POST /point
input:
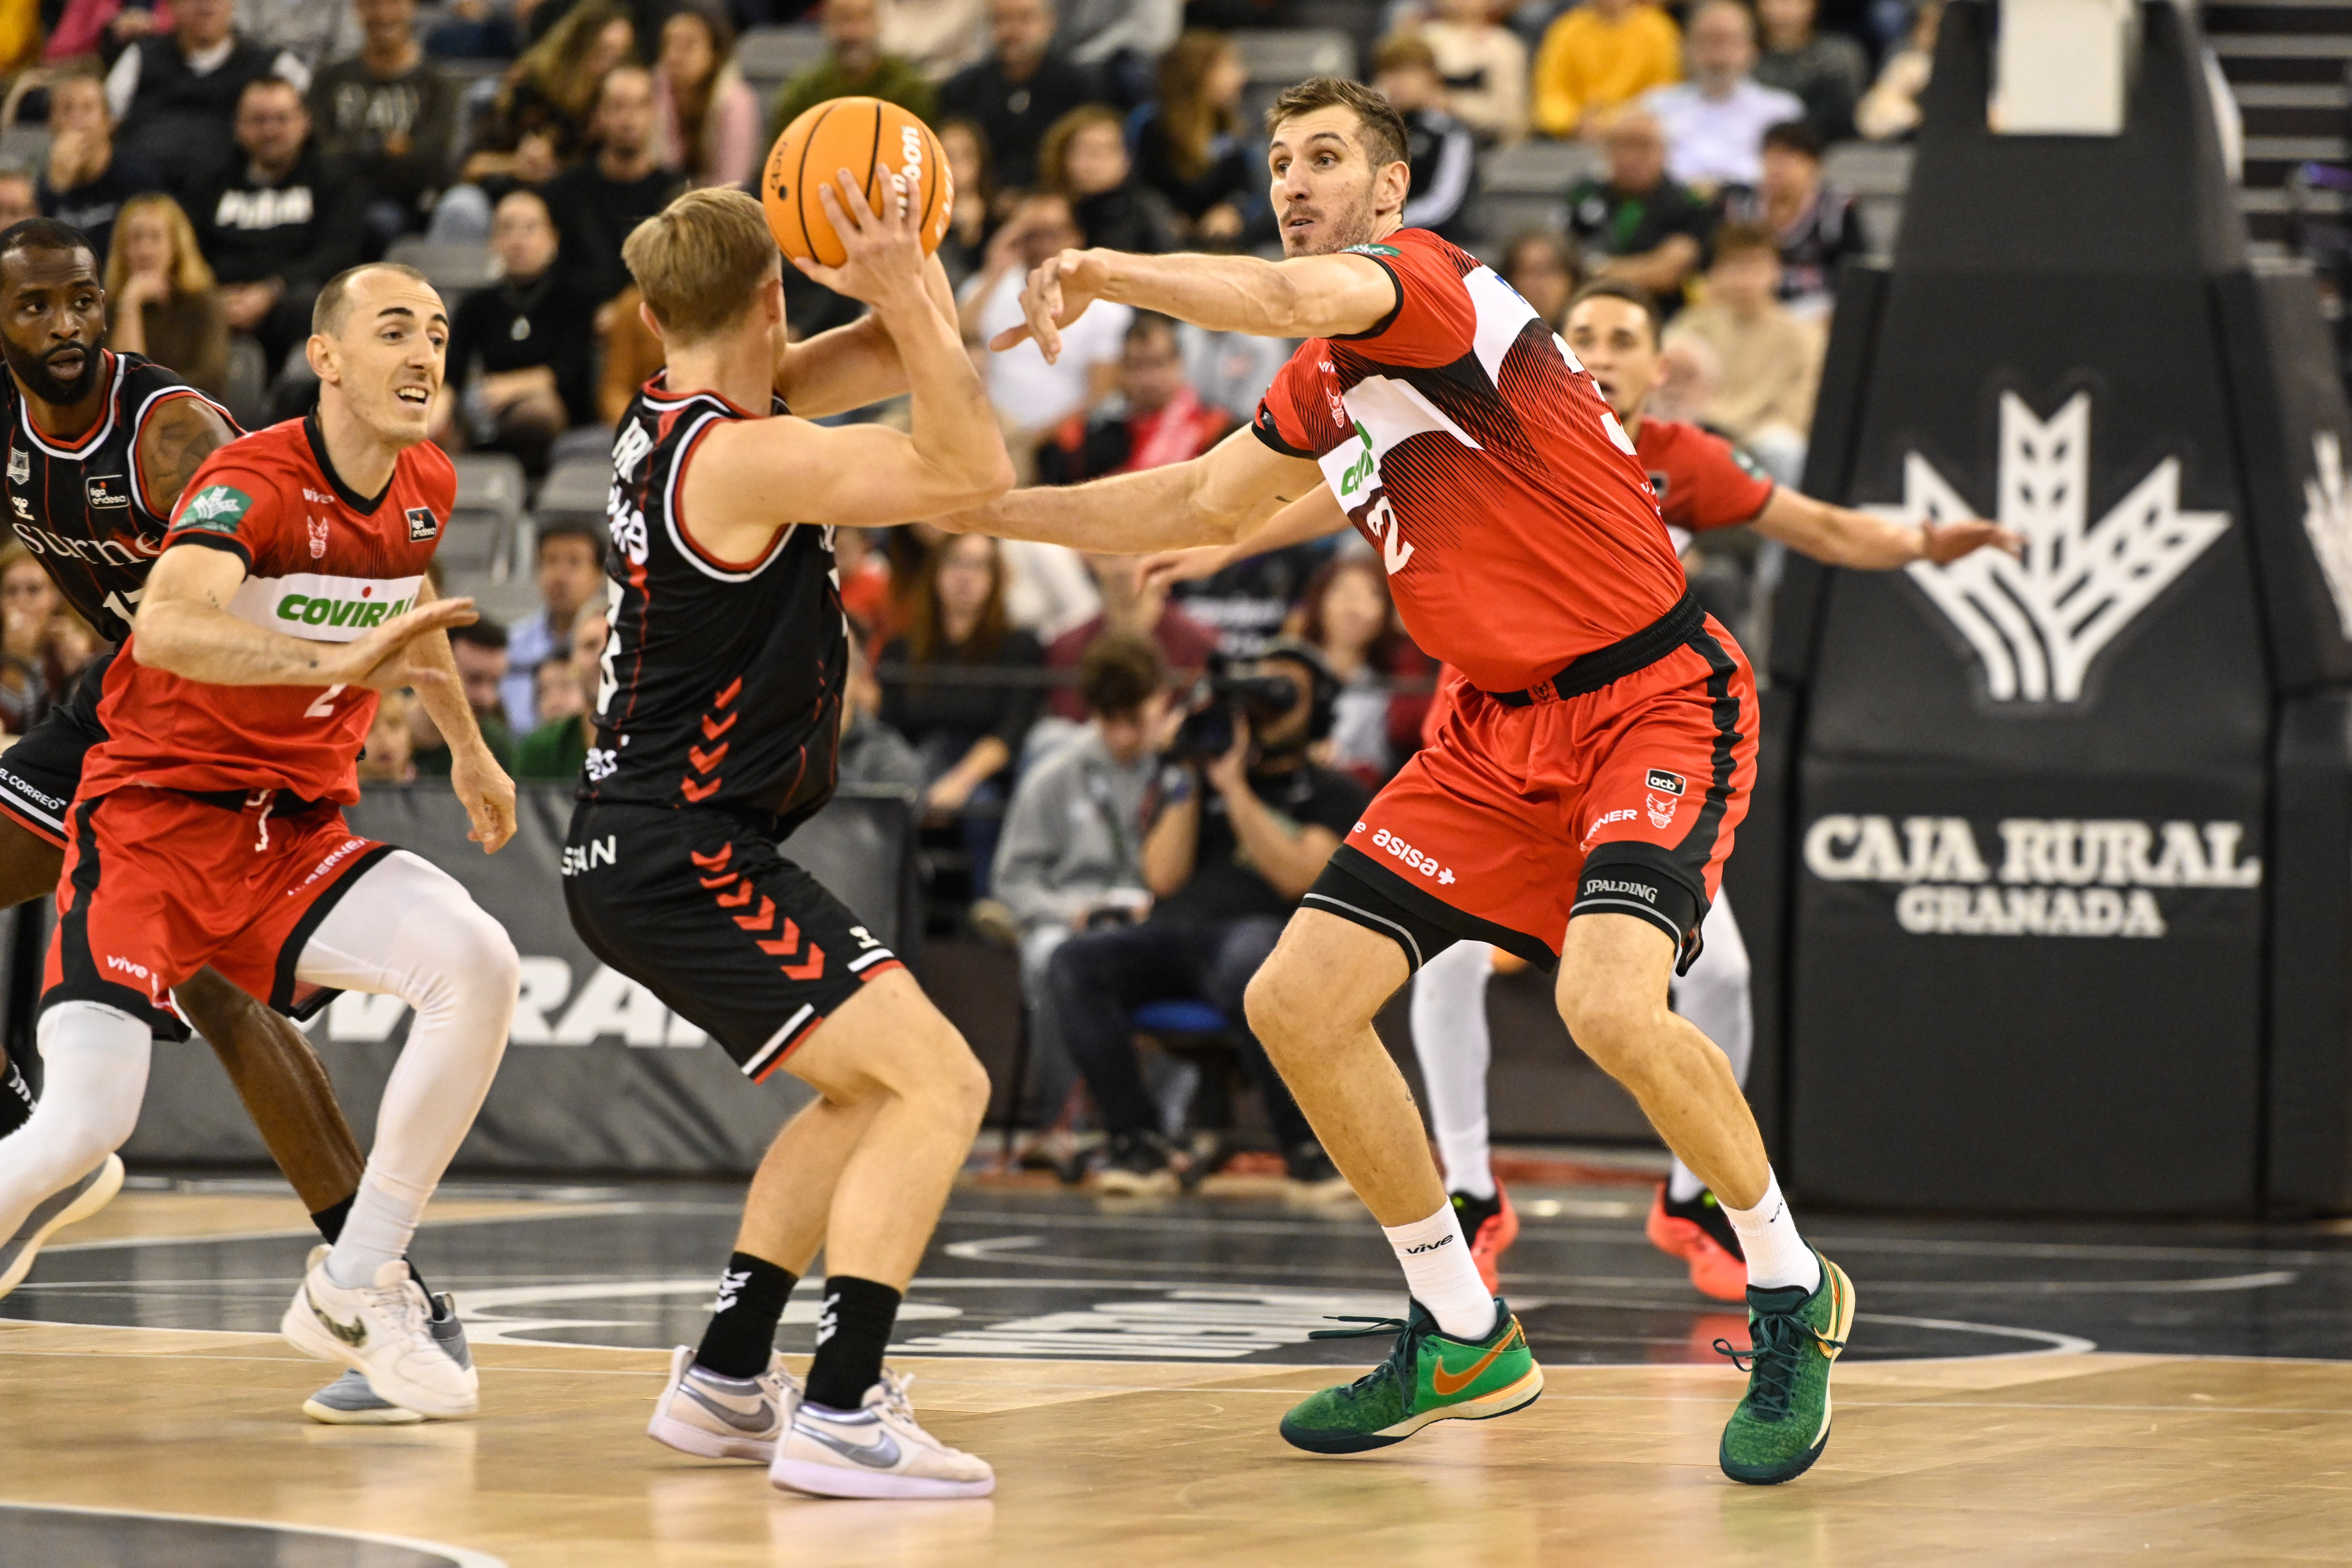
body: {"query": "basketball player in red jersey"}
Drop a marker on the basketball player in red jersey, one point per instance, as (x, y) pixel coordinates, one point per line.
(208, 827)
(1703, 484)
(1576, 808)
(100, 446)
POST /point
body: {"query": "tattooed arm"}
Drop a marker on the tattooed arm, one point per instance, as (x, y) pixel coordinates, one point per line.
(174, 442)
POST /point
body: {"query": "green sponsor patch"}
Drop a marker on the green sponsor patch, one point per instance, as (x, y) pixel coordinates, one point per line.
(1372, 250)
(217, 509)
(326, 612)
(1748, 464)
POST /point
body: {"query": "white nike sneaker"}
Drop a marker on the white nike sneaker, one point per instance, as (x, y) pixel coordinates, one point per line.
(877, 1451)
(53, 1214)
(385, 1332)
(349, 1401)
(714, 1417)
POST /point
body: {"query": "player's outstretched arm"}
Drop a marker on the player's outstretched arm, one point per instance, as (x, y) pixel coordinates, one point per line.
(750, 476)
(481, 786)
(1840, 536)
(174, 442)
(184, 625)
(1311, 516)
(1304, 297)
(1213, 499)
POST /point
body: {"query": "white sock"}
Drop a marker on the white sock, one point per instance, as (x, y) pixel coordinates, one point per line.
(384, 1217)
(1681, 1183)
(95, 1077)
(1777, 1255)
(1438, 1271)
(1450, 1037)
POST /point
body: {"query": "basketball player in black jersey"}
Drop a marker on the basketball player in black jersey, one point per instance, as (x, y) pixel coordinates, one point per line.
(716, 728)
(99, 446)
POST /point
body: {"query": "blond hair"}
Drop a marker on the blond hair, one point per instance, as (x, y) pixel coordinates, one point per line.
(191, 274)
(699, 262)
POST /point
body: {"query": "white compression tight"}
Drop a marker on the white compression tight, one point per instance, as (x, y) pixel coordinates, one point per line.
(1451, 1039)
(404, 929)
(94, 1060)
(411, 930)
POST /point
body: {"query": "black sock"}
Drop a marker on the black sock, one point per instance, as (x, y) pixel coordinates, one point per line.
(330, 1220)
(851, 1335)
(15, 1100)
(741, 1337)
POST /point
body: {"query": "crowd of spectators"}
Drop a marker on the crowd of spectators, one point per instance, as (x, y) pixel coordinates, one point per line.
(227, 156)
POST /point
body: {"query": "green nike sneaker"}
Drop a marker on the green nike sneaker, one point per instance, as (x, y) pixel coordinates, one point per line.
(1783, 1422)
(1427, 1377)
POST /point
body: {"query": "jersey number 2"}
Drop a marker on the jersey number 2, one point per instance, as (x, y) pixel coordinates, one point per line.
(324, 708)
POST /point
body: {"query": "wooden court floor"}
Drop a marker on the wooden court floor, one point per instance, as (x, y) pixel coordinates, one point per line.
(2052, 1458)
(2092, 1458)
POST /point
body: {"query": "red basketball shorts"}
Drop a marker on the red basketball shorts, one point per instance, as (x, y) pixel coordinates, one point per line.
(1621, 800)
(158, 884)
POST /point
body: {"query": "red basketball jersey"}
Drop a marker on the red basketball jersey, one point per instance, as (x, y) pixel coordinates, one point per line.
(1466, 442)
(1703, 480)
(322, 564)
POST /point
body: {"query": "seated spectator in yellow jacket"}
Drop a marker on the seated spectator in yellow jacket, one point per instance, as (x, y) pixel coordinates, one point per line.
(1602, 54)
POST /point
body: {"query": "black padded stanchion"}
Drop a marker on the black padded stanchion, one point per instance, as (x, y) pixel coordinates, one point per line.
(2070, 897)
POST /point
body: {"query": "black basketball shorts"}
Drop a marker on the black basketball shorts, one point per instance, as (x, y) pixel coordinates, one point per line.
(702, 910)
(40, 774)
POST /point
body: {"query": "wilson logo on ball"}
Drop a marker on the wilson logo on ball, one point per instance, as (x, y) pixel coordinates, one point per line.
(863, 136)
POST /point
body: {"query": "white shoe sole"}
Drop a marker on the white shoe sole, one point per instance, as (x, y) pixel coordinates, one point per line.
(689, 1439)
(306, 1333)
(819, 1480)
(102, 1192)
(386, 1415)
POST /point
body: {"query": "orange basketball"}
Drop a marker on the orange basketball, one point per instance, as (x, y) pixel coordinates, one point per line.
(856, 135)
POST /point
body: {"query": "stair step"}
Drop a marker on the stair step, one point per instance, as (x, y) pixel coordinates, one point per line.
(2281, 46)
(2292, 95)
(2296, 149)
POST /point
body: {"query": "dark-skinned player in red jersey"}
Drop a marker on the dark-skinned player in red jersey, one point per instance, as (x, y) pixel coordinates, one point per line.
(1704, 483)
(100, 446)
(1523, 545)
(205, 826)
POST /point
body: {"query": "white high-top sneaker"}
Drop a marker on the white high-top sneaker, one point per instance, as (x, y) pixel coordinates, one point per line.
(877, 1451)
(384, 1331)
(714, 1417)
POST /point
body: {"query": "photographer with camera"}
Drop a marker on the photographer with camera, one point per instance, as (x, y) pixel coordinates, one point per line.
(1244, 824)
(1071, 858)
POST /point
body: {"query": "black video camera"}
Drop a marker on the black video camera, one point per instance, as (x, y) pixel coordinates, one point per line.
(1226, 689)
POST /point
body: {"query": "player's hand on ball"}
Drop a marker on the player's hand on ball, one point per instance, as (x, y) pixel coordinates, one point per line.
(885, 249)
(1058, 293)
(380, 660)
(483, 788)
(1946, 542)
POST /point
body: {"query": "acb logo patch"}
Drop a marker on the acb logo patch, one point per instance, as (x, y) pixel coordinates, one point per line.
(422, 524)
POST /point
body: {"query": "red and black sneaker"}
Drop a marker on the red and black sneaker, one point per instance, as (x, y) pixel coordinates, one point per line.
(1700, 1234)
(1490, 1224)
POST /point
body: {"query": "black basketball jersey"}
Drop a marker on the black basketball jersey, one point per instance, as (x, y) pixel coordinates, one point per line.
(80, 506)
(722, 681)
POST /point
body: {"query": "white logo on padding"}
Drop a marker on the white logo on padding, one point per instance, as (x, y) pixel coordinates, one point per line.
(2038, 624)
(2327, 519)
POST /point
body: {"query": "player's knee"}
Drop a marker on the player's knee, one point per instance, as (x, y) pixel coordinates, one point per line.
(1280, 1005)
(1611, 1023)
(470, 959)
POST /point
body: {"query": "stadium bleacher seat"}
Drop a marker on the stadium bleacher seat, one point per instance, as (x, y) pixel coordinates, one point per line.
(576, 485)
(456, 270)
(770, 57)
(1526, 187)
(479, 537)
(1275, 58)
(1875, 175)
